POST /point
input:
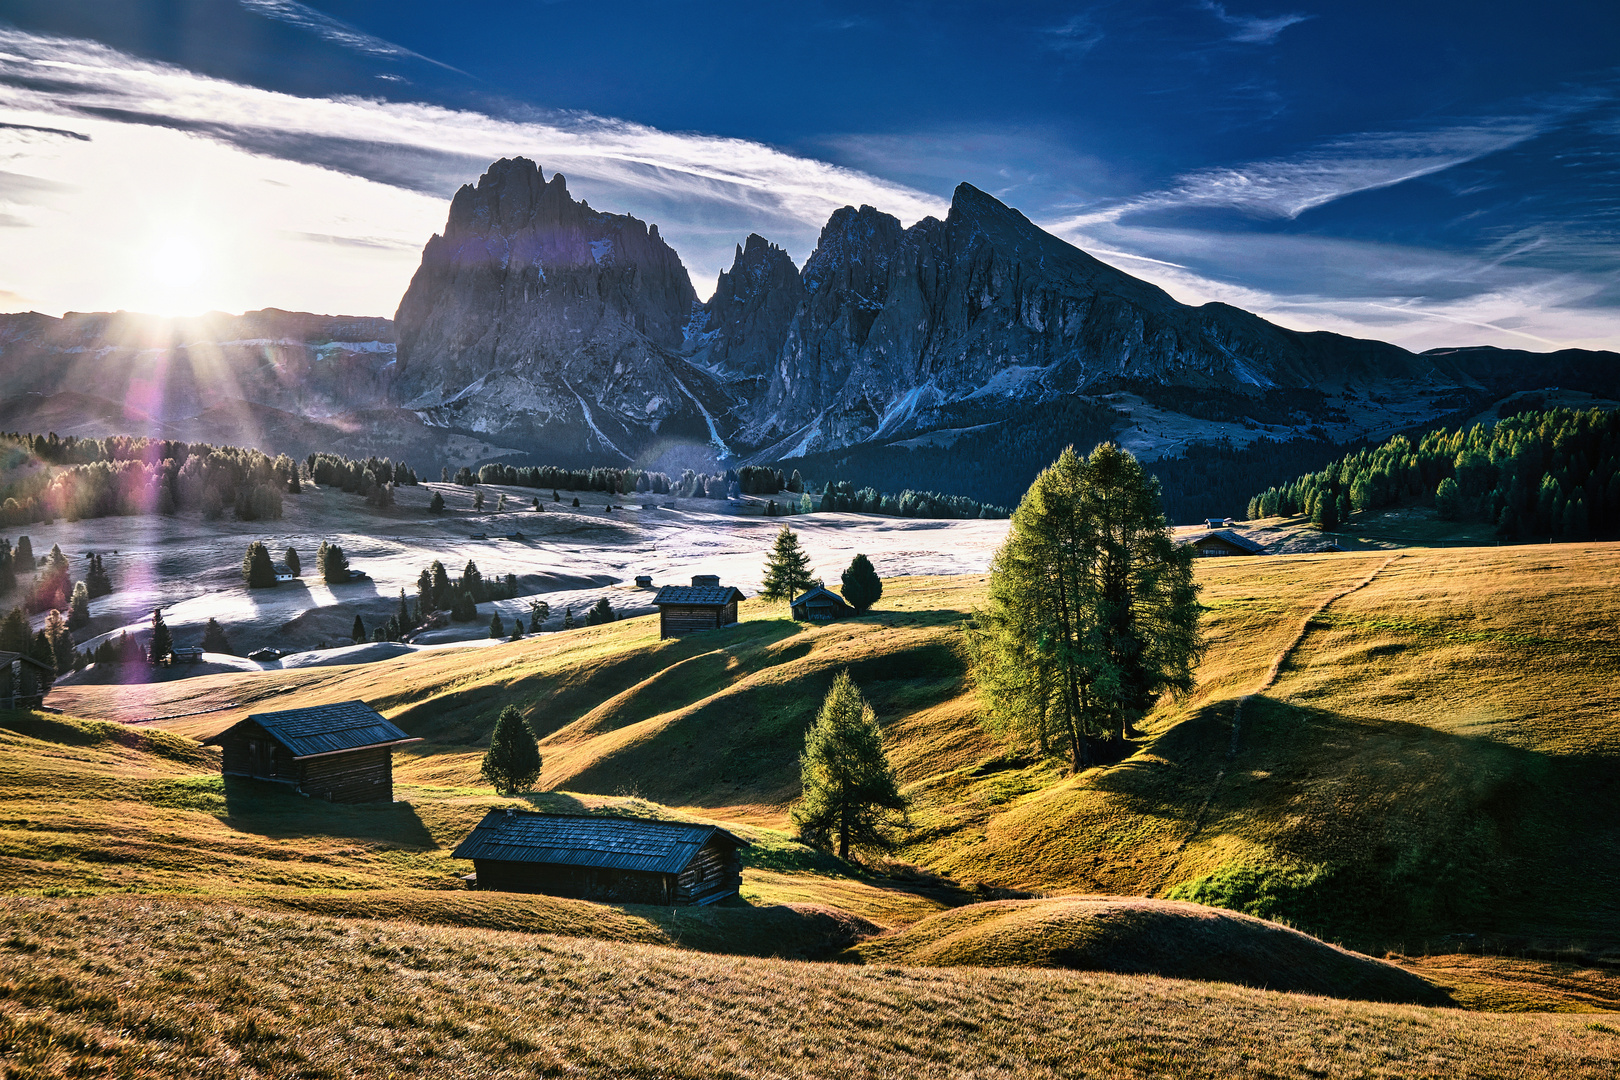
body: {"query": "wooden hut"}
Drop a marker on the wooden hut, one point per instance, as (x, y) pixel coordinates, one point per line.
(24, 681)
(821, 605)
(1225, 542)
(341, 753)
(610, 859)
(703, 605)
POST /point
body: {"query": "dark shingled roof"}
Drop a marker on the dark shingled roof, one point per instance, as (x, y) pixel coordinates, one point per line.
(820, 591)
(8, 657)
(660, 847)
(326, 729)
(698, 595)
(1235, 539)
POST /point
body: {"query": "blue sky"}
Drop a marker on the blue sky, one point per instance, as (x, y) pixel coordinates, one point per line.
(1429, 173)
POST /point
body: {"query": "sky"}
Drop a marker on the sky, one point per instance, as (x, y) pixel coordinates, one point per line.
(1432, 174)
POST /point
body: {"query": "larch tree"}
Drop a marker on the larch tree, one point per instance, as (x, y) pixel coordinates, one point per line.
(850, 794)
(512, 762)
(79, 606)
(1092, 613)
(787, 568)
(61, 641)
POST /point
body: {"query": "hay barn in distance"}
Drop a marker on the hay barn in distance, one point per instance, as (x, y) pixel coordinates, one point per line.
(703, 605)
(610, 859)
(341, 753)
(821, 604)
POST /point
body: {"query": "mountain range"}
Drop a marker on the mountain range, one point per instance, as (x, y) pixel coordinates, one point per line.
(962, 350)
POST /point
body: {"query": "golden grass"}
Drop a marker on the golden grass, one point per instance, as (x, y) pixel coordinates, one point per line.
(129, 987)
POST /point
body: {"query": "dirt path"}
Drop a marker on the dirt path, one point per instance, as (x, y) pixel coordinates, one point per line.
(1266, 683)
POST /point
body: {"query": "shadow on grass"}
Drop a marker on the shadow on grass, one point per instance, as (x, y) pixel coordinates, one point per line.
(277, 811)
(1379, 831)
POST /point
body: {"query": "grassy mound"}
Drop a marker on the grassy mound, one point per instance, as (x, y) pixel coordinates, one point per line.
(124, 986)
(1145, 937)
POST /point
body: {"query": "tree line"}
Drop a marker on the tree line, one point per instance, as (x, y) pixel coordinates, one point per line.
(1548, 473)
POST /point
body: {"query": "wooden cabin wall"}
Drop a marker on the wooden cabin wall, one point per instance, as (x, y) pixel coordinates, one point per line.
(675, 619)
(602, 884)
(356, 776)
(716, 870)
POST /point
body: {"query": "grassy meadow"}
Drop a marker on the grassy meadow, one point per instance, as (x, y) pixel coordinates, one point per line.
(1423, 766)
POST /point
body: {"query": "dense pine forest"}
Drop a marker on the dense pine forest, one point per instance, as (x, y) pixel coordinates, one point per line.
(1543, 474)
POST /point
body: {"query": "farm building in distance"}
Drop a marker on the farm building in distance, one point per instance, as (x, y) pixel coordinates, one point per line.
(703, 605)
(1225, 542)
(24, 681)
(821, 605)
(341, 753)
(611, 859)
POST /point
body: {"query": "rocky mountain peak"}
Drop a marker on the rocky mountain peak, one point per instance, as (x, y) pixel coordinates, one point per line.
(747, 318)
(854, 250)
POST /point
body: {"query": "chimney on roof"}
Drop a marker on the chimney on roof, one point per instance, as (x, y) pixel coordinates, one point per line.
(508, 811)
(710, 580)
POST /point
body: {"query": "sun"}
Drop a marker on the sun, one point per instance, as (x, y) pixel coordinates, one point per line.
(177, 263)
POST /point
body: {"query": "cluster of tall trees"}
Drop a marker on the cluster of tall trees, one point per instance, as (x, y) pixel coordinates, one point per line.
(459, 598)
(1092, 612)
(841, 495)
(1551, 473)
(611, 480)
(46, 478)
(375, 477)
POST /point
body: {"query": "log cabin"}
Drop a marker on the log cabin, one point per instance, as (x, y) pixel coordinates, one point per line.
(1225, 542)
(24, 681)
(688, 609)
(607, 859)
(821, 605)
(340, 753)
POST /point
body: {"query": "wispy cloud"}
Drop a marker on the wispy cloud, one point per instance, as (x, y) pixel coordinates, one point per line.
(336, 31)
(1287, 187)
(1252, 29)
(1075, 35)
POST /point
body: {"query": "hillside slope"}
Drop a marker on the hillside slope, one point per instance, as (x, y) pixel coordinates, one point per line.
(1428, 750)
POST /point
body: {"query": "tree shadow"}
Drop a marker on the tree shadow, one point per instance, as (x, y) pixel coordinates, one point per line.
(1379, 831)
(268, 809)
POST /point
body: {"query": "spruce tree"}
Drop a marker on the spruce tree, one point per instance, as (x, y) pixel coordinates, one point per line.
(14, 633)
(24, 557)
(850, 794)
(436, 504)
(478, 498)
(79, 607)
(214, 639)
(473, 581)
(539, 612)
(787, 568)
(517, 627)
(334, 565)
(496, 630)
(403, 618)
(601, 612)
(568, 618)
(257, 569)
(290, 557)
(357, 633)
(512, 763)
(162, 647)
(96, 579)
(862, 586)
(42, 652)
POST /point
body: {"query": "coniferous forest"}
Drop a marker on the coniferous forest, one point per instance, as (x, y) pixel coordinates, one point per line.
(1545, 474)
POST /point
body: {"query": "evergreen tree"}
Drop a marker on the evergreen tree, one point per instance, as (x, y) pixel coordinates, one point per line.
(850, 794)
(24, 557)
(512, 763)
(558, 498)
(61, 641)
(214, 639)
(496, 630)
(15, 636)
(40, 649)
(862, 586)
(1447, 503)
(257, 569)
(162, 647)
(290, 557)
(601, 612)
(1093, 613)
(478, 498)
(436, 504)
(442, 599)
(79, 607)
(500, 504)
(787, 568)
(403, 618)
(357, 633)
(8, 572)
(568, 618)
(96, 579)
(517, 628)
(536, 505)
(334, 565)
(379, 635)
(539, 612)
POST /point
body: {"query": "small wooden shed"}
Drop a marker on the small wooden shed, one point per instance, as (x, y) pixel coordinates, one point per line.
(24, 681)
(610, 859)
(340, 753)
(1225, 542)
(703, 605)
(821, 605)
